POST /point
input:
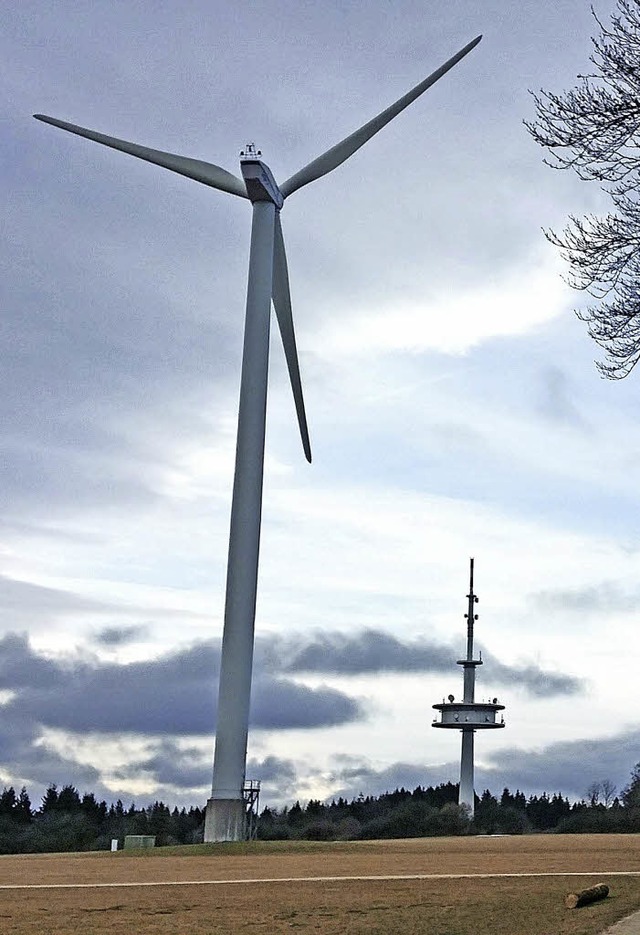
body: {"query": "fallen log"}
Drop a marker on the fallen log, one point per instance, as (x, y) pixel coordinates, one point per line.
(584, 897)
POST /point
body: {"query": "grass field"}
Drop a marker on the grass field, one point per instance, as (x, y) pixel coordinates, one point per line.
(528, 905)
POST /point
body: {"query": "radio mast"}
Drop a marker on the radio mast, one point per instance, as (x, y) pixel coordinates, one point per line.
(468, 715)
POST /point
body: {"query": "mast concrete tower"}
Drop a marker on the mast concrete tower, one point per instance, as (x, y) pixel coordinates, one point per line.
(468, 715)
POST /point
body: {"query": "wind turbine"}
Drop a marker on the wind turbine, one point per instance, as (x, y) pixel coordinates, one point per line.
(268, 281)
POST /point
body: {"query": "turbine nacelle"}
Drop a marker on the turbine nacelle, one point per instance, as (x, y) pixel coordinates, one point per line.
(259, 180)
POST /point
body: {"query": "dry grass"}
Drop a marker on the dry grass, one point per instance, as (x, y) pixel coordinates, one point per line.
(507, 906)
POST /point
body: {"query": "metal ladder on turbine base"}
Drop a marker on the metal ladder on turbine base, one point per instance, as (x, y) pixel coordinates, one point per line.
(251, 796)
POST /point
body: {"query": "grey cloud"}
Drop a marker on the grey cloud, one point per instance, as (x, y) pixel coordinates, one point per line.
(20, 667)
(533, 679)
(177, 769)
(174, 694)
(291, 705)
(25, 759)
(605, 596)
(37, 478)
(273, 769)
(22, 602)
(355, 776)
(278, 777)
(568, 767)
(119, 636)
(173, 765)
(83, 375)
(367, 651)
(373, 651)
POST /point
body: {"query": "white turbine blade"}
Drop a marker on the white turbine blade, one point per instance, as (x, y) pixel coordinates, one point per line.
(341, 151)
(204, 172)
(282, 305)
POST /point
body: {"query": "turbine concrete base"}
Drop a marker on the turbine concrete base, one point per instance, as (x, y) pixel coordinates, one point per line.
(224, 820)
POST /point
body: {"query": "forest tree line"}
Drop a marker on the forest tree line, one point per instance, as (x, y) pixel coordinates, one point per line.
(68, 821)
(433, 810)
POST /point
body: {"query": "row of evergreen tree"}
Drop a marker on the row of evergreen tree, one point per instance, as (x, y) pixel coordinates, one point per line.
(433, 810)
(67, 821)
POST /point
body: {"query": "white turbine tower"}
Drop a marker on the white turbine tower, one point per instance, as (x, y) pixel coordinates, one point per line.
(268, 281)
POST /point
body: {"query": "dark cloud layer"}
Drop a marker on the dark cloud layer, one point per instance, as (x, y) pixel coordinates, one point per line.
(171, 695)
(183, 768)
(569, 767)
(24, 758)
(604, 597)
(119, 636)
(173, 698)
(536, 681)
(354, 776)
(367, 651)
(170, 764)
(373, 651)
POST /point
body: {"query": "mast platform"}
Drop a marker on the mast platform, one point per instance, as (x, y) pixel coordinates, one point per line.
(474, 715)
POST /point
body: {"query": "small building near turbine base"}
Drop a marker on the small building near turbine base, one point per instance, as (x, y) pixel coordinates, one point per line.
(469, 715)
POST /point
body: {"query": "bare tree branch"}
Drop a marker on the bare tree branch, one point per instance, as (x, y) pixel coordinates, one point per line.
(594, 129)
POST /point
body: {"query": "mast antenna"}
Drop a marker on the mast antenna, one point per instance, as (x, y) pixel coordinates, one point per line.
(470, 615)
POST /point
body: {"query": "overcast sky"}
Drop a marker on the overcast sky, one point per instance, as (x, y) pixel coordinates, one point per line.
(453, 403)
